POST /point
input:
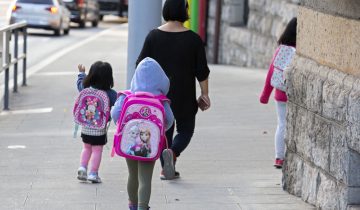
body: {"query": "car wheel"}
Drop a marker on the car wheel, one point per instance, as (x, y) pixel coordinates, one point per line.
(82, 24)
(66, 31)
(95, 23)
(57, 32)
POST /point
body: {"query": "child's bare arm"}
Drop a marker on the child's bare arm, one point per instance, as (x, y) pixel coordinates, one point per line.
(81, 68)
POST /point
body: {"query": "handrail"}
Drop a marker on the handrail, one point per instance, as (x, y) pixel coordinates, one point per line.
(7, 60)
(13, 26)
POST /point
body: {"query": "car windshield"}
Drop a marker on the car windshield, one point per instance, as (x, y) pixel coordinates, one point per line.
(36, 1)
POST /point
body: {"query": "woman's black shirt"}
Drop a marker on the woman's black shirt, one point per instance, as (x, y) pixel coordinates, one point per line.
(182, 56)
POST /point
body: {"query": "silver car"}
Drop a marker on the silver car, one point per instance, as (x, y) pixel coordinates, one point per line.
(44, 14)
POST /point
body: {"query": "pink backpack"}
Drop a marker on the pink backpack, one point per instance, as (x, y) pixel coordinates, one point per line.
(92, 109)
(140, 132)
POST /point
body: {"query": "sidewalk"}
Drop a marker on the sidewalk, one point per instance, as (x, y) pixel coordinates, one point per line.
(227, 166)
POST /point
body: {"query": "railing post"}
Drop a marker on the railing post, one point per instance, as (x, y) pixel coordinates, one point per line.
(7, 63)
(25, 53)
(1, 51)
(16, 48)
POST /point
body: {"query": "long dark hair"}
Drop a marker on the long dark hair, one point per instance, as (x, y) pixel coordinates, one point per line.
(100, 76)
(288, 37)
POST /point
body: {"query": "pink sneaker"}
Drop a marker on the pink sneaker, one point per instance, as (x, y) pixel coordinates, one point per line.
(278, 163)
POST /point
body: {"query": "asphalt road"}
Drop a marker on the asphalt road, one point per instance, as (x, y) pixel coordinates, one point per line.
(43, 46)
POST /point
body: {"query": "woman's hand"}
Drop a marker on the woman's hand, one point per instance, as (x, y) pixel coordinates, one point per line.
(204, 102)
(81, 68)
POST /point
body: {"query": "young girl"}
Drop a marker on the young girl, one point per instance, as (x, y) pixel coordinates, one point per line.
(100, 77)
(288, 38)
(148, 77)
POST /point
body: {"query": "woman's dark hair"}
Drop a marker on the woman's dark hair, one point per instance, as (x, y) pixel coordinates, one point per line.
(176, 10)
(100, 76)
(288, 37)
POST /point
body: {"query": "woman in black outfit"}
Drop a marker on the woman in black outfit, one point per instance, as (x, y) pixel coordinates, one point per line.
(181, 54)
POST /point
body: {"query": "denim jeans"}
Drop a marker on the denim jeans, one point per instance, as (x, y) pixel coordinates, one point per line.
(185, 130)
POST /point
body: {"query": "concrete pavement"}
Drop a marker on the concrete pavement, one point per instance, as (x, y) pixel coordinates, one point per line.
(227, 166)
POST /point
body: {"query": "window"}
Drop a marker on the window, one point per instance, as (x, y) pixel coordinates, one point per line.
(36, 1)
(238, 13)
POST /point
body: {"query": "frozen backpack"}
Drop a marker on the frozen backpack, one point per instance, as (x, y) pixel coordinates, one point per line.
(281, 61)
(140, 132)
(92, 109)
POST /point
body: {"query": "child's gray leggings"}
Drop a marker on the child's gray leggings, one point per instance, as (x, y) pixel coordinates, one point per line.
(139, 182)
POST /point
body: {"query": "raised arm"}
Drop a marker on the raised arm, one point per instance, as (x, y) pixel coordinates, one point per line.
(81, 77)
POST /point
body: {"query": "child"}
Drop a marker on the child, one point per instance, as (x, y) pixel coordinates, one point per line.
(100, 77)
(148, 77)
(288, 38)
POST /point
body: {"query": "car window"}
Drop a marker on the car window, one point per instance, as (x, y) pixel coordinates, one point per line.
(36, 1)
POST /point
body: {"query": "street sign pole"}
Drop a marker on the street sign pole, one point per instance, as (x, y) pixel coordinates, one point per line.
(143, 16)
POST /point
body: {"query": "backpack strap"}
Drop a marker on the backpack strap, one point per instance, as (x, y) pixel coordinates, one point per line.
(125, 92)
(143, 93)
(162, 98)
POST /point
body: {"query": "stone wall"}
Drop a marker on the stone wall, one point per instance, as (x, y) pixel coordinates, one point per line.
(251, 42)
(323, 132)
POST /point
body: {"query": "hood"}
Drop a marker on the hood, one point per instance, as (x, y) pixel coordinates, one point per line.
(150, 77)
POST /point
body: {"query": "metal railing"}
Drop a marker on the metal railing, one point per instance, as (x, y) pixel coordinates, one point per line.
(6, 60)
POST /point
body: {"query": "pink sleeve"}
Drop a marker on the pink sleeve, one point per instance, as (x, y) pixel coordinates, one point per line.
(265, 95)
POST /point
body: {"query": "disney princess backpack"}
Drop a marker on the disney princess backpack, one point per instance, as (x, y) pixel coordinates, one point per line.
(92, 109)
(140, 132)
(281, 61)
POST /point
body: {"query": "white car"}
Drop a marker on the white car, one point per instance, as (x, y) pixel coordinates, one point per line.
(44, 14)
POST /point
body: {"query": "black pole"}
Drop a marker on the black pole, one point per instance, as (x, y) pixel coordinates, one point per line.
(6, 91)
(25, 53)
(7, 63)
(16, 49)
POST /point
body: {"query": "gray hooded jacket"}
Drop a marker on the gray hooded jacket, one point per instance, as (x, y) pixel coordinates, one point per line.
(148, 77)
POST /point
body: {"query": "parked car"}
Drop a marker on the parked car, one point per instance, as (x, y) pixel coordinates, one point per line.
(113, 7)
(44, 14)
(83, 11)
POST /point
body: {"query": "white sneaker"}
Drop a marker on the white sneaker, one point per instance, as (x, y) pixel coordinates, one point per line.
(94, 177)
(82, 173)
(168, 168)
